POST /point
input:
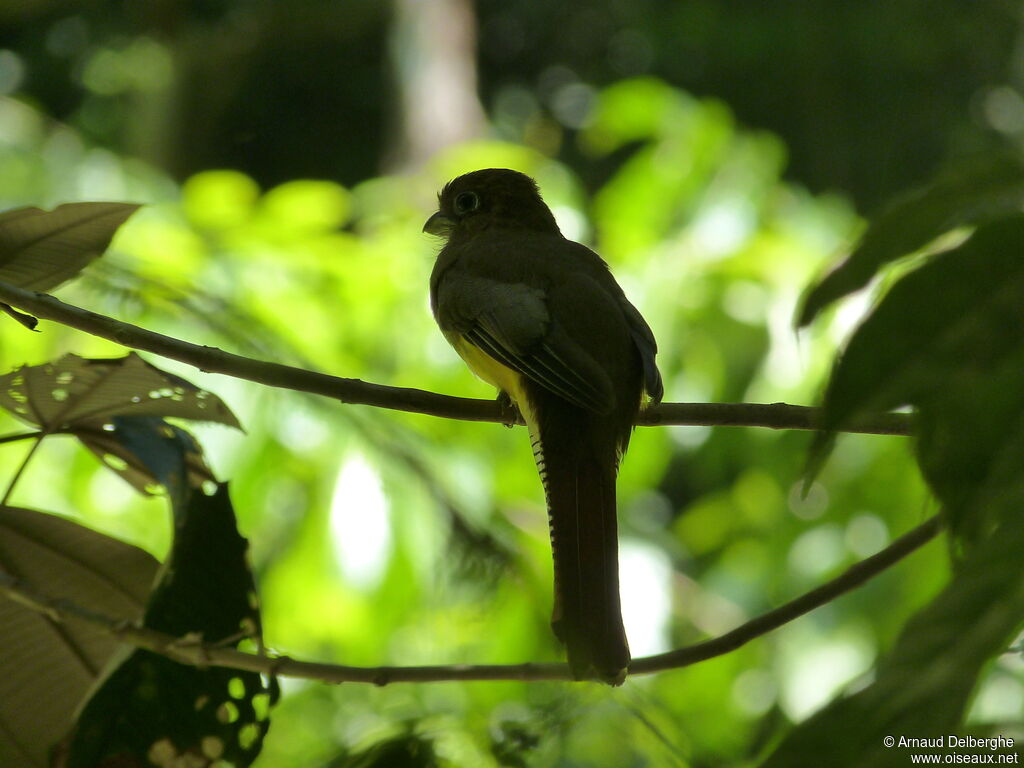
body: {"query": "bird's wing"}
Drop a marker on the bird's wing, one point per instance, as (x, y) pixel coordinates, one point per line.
(510, 322)
(643, 338)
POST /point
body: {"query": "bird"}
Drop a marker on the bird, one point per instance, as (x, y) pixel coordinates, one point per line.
(541, 318)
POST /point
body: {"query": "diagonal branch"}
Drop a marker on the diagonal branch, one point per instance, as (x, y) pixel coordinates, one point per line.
(189, 651)
(356, 391)
(851, 578)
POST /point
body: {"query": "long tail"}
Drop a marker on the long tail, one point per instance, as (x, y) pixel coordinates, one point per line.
(579, 481)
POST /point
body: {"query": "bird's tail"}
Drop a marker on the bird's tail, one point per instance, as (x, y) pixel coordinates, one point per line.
(579, 481)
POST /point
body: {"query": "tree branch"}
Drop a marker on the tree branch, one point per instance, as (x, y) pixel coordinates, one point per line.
(199, 654)
(355, 391)
(852, 577)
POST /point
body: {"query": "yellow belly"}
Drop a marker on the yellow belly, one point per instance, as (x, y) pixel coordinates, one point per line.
(494, 373)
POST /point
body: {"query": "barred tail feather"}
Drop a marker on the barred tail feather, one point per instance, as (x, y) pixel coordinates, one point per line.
(579, 482)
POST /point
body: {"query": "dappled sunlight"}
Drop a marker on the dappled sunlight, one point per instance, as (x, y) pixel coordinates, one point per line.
(645, 578)
(814, 673)
(360, 523)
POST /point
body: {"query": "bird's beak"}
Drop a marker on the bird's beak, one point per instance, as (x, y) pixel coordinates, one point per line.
(439, 225)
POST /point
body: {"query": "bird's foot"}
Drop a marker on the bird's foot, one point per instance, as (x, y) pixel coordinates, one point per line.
(510, 415)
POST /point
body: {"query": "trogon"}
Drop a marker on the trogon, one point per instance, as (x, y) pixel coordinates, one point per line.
(541, 318)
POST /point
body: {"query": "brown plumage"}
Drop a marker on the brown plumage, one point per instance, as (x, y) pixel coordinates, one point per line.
(542, 318)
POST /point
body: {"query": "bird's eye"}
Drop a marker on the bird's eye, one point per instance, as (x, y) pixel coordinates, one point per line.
(466, 202)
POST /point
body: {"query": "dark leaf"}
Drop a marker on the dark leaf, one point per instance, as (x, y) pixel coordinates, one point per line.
(81, 392)
(40, 249)
(988, 188)
(207, 551)
(153, 708)
(971, 445)
(961, 312)
(46, 667)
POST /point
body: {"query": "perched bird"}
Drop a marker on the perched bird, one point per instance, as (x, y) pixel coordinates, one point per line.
(542, 319)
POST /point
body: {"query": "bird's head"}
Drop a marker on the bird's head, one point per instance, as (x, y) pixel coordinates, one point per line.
(490, 198)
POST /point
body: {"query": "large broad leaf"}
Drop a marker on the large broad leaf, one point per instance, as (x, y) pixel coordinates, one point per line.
(923, 686)
(39, 249)
(116, 408)
(152, 708)
(962, 311)
(45, 667)
(986, 189)
(81, 392)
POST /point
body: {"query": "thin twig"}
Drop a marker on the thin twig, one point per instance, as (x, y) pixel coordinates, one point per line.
(14, 438)
(201, 654)
(22, 467)
(355, 391)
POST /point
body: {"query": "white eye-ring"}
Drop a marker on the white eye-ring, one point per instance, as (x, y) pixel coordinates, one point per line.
(466, 202)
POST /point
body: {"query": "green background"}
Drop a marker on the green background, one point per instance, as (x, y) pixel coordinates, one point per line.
(380, 537)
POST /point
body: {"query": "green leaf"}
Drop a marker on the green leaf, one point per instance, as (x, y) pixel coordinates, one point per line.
(306, 205)
(40, 249)
(635, 110)
(219, 200)
(152, 708)
(962, 310)
(971, 445)
(986, 189)
(79, 392)
(923, 686)
(45, 667)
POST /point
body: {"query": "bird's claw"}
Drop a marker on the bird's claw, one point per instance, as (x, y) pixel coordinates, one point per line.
(510, 415)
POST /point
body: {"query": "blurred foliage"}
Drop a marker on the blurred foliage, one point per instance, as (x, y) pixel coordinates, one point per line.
(391, 538)
(869, 97)
(946, 340)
